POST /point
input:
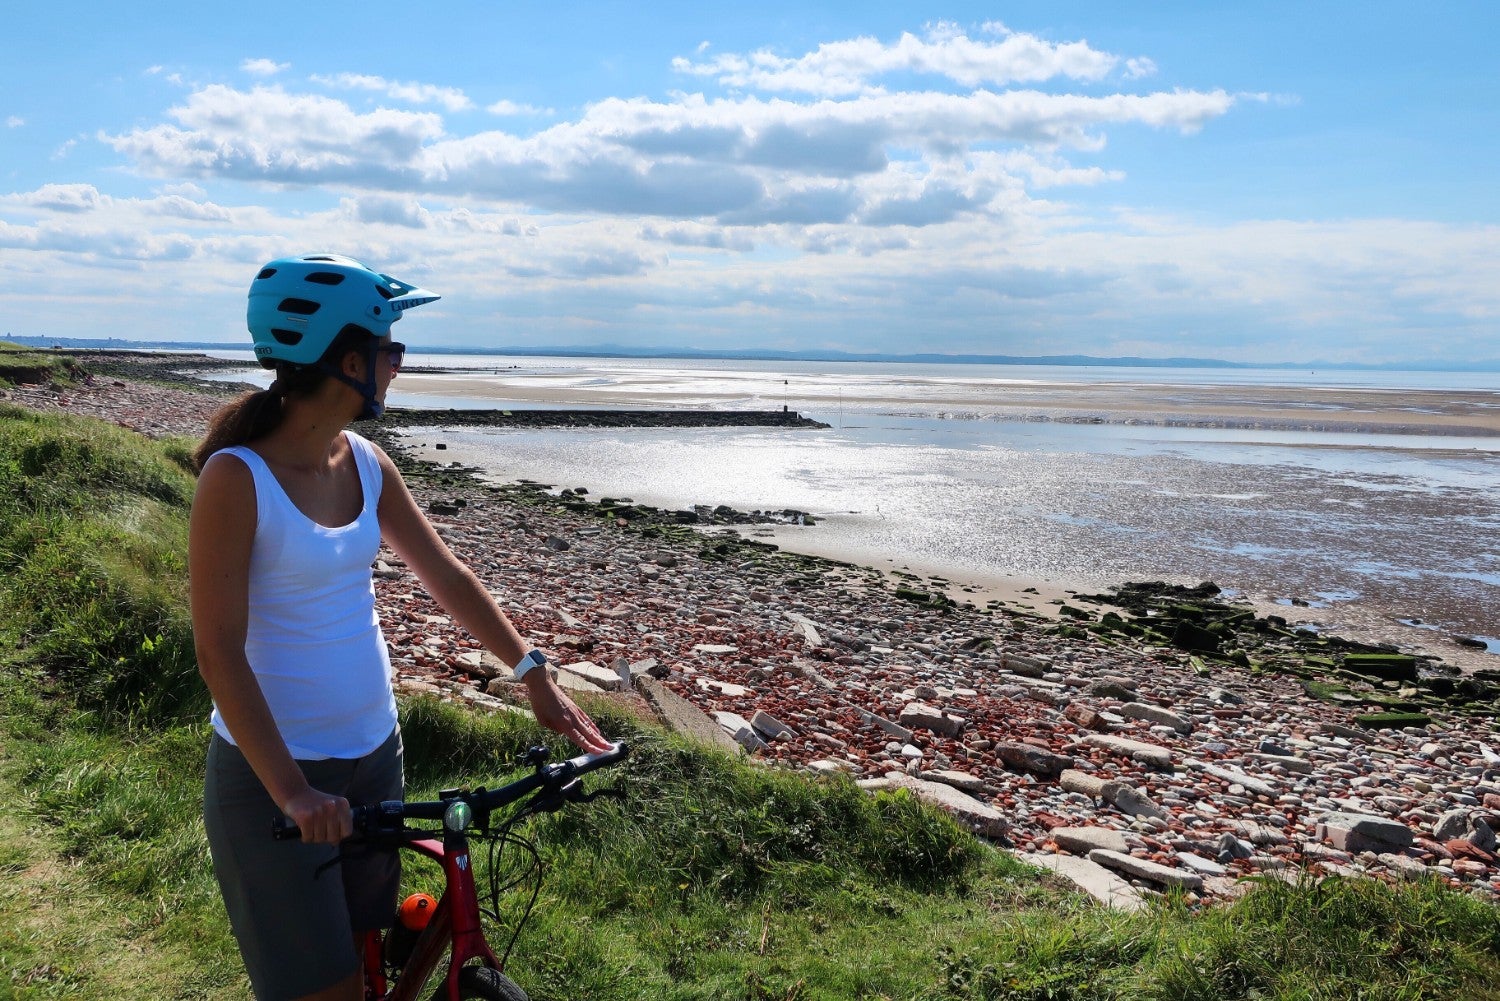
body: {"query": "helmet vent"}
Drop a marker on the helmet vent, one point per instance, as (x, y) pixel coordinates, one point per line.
(318, 258)
(302, 307)
(385, 293)
(325, 277)
(287, 337)
(265, 273)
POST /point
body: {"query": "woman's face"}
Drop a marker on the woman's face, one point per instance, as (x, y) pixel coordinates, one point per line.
(386, 360)
(388, 354)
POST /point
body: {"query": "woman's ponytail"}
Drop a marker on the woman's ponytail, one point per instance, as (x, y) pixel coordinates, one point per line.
(258, 412)
(247, 417)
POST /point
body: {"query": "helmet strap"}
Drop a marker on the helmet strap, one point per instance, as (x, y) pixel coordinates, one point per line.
(373, 408)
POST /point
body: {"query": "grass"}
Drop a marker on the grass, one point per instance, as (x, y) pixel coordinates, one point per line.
(713, 879)
(24, 366)
(93, 542)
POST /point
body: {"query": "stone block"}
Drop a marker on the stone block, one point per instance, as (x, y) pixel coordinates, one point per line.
(1082, 840)
(1135, 803)
(1157, 715)
(1032, 759)
(1152, 872)
(1092, 786)
(771, 727)
(1153, 755)
(919, 715)
(605, 679)
(979, 817)
(1090, 877)
(1358, 832)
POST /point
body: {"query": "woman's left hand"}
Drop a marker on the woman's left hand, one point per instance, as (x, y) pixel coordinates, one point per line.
(557, 712)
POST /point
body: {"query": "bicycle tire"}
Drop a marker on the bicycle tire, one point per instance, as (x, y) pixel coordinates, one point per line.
(480, 983)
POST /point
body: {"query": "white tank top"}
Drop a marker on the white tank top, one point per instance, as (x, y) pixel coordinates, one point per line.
(313, 637)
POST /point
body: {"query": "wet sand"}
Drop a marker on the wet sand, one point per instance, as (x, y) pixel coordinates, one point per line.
(1304, 408)
(1455, 424)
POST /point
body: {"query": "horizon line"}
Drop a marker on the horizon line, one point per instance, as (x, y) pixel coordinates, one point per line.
(768, 354)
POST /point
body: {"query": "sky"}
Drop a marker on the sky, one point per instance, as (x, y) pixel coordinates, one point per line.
(1268, 182)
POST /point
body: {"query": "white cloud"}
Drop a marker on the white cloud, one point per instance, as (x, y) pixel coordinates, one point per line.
(73, 198)
(263, 67)
(745, 161)
(507, 108)
(270, 135)
(450, 98)
(710, 237)
(849, 207)
(85, 199)
(14, 122)
(390, 211)
(186, 189)
(847, 67)
(187, 208)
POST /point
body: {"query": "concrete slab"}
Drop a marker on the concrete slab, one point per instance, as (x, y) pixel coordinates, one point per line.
(1093, 879)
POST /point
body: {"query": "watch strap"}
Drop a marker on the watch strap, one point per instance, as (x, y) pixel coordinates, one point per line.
(532, 660)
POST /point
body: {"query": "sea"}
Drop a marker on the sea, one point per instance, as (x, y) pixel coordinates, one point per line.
(989, 473)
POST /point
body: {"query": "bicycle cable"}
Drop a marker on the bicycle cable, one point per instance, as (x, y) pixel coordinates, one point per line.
(532, 871)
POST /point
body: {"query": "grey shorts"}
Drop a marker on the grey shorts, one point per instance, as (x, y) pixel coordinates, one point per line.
(296, 930)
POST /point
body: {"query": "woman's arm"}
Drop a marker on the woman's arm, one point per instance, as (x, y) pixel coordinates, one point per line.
(220, 536)
(412, 537)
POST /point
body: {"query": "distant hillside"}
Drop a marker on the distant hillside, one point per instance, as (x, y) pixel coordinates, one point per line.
(766, 354)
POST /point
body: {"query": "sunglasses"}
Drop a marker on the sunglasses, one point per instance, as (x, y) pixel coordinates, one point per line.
(396, 350)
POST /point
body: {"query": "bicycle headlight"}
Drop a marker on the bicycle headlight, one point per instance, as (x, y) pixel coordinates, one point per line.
(458, 816)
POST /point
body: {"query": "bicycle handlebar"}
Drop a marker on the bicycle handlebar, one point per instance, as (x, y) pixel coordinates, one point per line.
(388, 816)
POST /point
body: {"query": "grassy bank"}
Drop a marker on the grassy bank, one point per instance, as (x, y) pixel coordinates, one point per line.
(712, 880)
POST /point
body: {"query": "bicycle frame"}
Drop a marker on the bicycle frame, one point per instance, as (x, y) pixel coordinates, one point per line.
(455, 924)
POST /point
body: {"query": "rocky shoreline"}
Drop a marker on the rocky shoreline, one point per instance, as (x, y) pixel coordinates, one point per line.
(1155, 737)
(555, 418)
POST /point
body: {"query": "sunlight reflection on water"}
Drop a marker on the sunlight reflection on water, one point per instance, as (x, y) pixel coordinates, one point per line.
(1414, 531)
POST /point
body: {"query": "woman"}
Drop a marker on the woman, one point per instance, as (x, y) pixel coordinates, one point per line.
(290, 511)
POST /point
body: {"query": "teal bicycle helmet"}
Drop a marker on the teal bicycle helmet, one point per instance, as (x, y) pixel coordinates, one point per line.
(298, 305)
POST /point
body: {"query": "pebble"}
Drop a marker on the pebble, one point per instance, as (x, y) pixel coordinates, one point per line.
(829, 671)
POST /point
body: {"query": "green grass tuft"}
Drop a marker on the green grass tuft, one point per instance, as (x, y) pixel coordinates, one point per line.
(93, 542)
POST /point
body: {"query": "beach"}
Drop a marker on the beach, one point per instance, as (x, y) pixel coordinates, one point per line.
(1133, 759)
(1325, 408)
(1361, 503)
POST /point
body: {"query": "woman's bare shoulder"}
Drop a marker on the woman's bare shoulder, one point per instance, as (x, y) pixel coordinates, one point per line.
(225, 481)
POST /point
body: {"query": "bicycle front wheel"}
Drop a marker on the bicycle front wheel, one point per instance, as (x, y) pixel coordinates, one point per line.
(480, 983)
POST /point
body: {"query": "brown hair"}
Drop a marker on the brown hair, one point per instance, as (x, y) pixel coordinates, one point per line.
(257, 413)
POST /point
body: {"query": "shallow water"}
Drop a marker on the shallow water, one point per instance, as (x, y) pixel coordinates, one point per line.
(924, 466)
(1412, 531)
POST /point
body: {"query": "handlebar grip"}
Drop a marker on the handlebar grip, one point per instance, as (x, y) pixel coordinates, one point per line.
(284, 830)
(588, 762)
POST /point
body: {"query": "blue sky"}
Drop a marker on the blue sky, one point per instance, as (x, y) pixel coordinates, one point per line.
(1273, 182)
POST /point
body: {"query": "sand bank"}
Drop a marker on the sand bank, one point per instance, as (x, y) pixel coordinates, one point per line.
(1372, 411)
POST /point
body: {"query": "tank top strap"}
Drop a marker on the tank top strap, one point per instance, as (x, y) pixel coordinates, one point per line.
(368, 463)
(260, 473)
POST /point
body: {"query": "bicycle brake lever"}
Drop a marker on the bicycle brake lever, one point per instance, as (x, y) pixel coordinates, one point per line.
(588, 797)
(536, 756)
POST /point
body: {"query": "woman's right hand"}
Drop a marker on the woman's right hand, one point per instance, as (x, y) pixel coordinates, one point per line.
(557, 712)
(323, 819)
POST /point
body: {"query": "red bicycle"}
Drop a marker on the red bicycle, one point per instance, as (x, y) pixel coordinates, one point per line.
(399, 963)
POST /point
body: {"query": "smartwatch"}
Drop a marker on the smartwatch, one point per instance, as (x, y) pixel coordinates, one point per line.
(531, 660)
